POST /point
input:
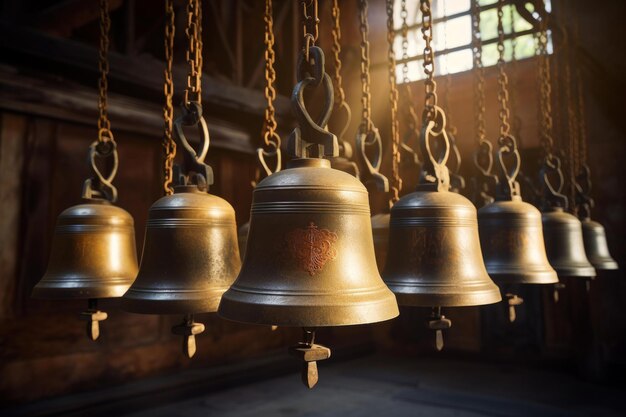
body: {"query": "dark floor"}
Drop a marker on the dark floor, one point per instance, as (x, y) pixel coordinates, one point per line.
(383, 386)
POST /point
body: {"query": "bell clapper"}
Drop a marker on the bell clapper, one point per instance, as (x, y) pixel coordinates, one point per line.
(559, 286)
(588, 285)
(93, 316)
(188, 329)
(438, 322)
(513, 300)
(308, 352)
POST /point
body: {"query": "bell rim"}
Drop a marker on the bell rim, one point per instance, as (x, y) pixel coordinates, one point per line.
(456, 299)
(45, 291)
(523, 276)
(605, 264)
(198, 302)
(347, 314)
(575, 272)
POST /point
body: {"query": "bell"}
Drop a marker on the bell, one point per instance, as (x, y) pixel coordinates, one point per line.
(594, 236)
(562, 231)
(564, 244)
(596, 248)
(93, 251)
(511, 234)
(434, 257)
(380, 231)
(310, 257)
(190, 254)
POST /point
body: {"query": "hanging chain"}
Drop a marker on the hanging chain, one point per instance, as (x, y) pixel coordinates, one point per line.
(194, 52)
(404, 14)
(104, 125)
(430, 85)
(545, 90)
(479, 82)
(396, 181)
(366, 98)
(446, 96)
(582, 128)
(169, 145)
(310, 29)
(516, 121)
(270, 137)
(340, 95)
(503, 93)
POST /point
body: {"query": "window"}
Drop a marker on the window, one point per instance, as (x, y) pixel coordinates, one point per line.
(452, 36)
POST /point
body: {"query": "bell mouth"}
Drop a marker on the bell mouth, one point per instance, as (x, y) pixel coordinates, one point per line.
(309, 163)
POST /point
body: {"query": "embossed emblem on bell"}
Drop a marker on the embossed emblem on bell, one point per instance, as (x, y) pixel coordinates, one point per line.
(511, 233)
(434, 257)
(563, 232)
(594, 235)
(190, 254)
(93, 251)
(310, 255)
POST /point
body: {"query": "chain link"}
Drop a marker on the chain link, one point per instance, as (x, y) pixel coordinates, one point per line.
(366, 98)
(270, 137)
(430, 85)
(104, 124)
(310, 25)
(448, 85)
(396, 181)
(503, 93)
(169, 145)
(404, 14)
(582, 128)
(479, 74)
(193, 31)
(545, 89)
(340, 95)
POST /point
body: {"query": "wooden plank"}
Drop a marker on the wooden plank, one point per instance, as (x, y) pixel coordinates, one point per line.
(13, 129)
(70, 102)
(142, 72)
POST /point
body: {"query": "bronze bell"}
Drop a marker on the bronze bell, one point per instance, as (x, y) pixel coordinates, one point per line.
(511, 234)
(310, 255)
(596, 247)
(93, 249)
(434, 257)
(594, 236)
(190, 254)
(563, 233)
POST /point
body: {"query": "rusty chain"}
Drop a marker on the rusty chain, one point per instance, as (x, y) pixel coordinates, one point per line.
(545, 90)
(430, 85)
(479, 80)
(503, 93)
(310, 25)
(271, 138)
(366, 98)
(193, 31)
(396, 182)
(340, 95)
(169, 145)
(104, 124)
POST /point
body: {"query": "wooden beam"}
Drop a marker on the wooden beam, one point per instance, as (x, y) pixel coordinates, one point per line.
(70, 102)
(145, 73)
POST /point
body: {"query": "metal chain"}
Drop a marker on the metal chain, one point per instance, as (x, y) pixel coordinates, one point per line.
(545, 90)
(270, 137)
(516, 121)
(448, 85)
(430, 85)
(396, 181)
(404, 14)
(169, 145)
(503, 93)
(572, 125)
(193, 92)
(104, 124)
(310, 23)
(340, 94)
(582, 128)
(366, 98)
(479, 80)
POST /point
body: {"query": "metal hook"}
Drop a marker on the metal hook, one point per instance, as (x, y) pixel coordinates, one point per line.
(457, 182)
(435, 174)
(552, 196)
(194, 170)
(101, 186)
(508, 188)
(372, 175)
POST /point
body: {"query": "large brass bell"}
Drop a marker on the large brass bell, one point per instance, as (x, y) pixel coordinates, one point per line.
(310, 256)
(190, 254)
(434, 257)
(93, 250)
(594, 236)
(562, 231)
(511, 234)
